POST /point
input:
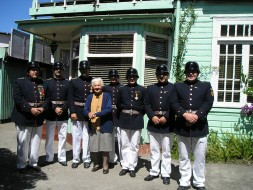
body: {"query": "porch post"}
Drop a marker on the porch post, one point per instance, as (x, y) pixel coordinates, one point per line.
(32, 47)
(176, 34)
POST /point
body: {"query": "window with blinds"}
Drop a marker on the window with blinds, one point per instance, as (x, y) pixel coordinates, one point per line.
(233, 56)
(250, 71)
(156, 54)
(110, 44)
(110, 51)
(230, 72)
(101, 66)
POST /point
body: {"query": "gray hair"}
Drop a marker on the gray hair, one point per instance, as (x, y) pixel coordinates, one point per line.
(100, 80)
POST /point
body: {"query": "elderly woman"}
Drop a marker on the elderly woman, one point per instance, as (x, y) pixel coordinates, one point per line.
(98, 108)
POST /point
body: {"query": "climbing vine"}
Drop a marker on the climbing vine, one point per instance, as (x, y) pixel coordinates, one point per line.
(187, 20)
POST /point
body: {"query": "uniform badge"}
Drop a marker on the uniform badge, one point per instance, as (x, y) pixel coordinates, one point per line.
(41, 92)
(136, 95)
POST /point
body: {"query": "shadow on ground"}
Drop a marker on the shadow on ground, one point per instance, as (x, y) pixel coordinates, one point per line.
(11, 179)
(69, 156)
(144, 163)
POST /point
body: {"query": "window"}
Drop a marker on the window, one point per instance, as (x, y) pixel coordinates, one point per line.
(110, 51)
(157, 50)
(232, 55)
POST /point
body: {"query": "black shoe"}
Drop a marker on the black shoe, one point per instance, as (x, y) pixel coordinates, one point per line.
(150, 177)
(35, 168)
(123, 172)
(132, 173)
(46, 163)
(200, 188)
(86, 165)
(166, 180)
(75, 165)
(183, 187)
(111, 165)
(105, 171)
(64, 163)
(96, 168)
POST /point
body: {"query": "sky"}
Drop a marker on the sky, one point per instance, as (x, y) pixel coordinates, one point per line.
(12, 10)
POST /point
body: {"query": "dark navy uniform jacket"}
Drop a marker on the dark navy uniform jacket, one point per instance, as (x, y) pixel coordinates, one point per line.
(113, 90)
(79, 89)
(57, 91)
(161, 100)
(196, 97)
(28, 93)
(131, 98)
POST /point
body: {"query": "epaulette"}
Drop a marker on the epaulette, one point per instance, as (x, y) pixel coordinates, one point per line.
(22, 78)
(49, 79)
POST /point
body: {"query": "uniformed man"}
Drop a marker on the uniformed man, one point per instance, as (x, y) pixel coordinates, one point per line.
(130, 104)
(79, 89)
(28, 95)
(57, 115)
(113, 89)
(196, 100)
(160, 101)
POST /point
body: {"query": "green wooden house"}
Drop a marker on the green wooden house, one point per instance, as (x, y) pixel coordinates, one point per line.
(143, 33)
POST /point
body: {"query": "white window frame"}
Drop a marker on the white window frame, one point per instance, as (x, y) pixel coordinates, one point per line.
(217, 39)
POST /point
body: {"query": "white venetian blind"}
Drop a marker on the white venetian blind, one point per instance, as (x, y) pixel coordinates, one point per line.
(101, 66)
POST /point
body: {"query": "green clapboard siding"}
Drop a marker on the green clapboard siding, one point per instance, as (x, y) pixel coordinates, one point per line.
(9, 72)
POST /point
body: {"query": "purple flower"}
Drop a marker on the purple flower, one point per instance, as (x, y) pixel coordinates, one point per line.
(247, 110)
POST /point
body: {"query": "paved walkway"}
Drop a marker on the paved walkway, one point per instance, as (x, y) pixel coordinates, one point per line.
(55, 176)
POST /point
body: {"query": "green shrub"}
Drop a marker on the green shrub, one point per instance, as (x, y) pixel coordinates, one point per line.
(238, 146)
(215, 151)
(226, 148)
(174, 151)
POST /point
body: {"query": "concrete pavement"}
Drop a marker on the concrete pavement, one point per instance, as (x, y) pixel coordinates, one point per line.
(55, 176)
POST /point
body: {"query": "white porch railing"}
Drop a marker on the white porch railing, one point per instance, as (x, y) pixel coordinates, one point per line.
(65, 3)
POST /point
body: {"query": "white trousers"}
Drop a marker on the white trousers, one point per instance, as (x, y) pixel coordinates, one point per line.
(28, 145)
(198, 146)
(80, 133)
(62, 138)
(113, 156)
(130, 140)
(160, 141)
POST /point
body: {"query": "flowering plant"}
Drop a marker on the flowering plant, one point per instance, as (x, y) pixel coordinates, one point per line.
(247, 110)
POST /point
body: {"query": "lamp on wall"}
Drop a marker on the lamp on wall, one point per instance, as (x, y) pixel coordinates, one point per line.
(53, 45)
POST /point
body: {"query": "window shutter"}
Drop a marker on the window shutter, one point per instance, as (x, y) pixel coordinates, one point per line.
(156, 54)
(110, 44)
(156, 47)
(101, 66)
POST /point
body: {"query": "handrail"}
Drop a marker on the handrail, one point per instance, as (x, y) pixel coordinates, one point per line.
(65, 3)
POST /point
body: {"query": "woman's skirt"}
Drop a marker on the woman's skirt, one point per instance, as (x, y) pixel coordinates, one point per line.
(100, 142)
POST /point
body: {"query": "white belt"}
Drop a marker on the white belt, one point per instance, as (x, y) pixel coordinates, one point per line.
(35, 104)
(160, 112)
(58, 102)
(79, 104)
(131, 112)
(191, 111)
